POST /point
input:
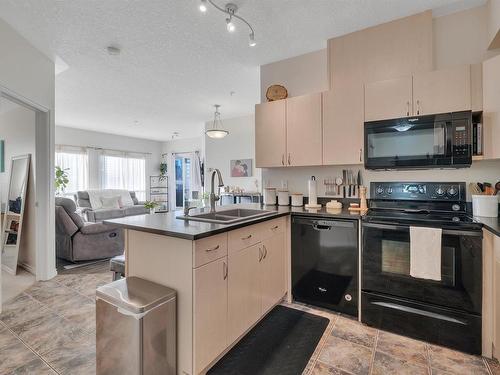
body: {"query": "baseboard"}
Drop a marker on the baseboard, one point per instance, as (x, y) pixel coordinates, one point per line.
(27, 267)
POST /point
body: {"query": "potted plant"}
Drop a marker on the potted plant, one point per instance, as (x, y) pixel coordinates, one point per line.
(62, 180)
(151, 205)
(163, 170)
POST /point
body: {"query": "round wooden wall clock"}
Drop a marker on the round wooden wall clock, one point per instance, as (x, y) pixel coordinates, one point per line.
(276, 92)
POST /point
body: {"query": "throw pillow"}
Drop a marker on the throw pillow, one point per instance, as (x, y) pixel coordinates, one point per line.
(111, 202)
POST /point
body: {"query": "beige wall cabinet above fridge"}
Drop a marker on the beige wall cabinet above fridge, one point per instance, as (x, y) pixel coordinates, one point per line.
(424, 93)
(491, 108)
(288, 132)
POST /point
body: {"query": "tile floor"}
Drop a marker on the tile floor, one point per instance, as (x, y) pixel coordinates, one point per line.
(50, 329)
(14, 285)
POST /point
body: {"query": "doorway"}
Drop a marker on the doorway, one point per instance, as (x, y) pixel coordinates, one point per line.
(182, 165)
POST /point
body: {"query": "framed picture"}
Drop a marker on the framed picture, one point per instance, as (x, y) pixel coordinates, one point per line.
(13, 225)
(241, 168)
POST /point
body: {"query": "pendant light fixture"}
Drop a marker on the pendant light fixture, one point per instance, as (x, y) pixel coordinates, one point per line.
(230, 9)
(217, 131)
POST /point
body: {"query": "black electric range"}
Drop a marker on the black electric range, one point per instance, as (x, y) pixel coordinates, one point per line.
(446, 312)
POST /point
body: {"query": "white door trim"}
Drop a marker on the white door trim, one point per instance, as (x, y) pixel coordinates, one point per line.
(44, 185)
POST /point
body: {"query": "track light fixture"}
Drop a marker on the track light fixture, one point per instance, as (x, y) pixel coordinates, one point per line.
(230, 9)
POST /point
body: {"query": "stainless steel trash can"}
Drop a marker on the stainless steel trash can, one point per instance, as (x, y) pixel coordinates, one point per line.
(135, 328)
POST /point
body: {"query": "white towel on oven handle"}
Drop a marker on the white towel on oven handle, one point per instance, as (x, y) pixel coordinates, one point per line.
(425, 253)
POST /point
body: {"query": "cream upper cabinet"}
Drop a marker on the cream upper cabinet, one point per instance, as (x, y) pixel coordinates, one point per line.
(273, 282)
(210, 312)
(303, 130)
(491, 107)
(244, 296)
(343, 119)
(388, 99)
(270, 134)
(440, 91)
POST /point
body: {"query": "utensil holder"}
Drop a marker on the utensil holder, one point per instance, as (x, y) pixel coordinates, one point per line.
(485, 205)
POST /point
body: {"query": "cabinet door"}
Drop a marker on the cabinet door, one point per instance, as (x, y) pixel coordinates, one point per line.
(388, 99)
(270, 134)
(491, 108)
(244, 296)
(210, 312)
(496, 298)
(343, 114)
(273, 281)
(441, 91)
(303, 130)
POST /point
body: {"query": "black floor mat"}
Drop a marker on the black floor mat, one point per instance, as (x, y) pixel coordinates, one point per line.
(323, 287)
(281, 344)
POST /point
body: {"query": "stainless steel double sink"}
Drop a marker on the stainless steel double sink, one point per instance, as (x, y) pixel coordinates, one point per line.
(229, 216)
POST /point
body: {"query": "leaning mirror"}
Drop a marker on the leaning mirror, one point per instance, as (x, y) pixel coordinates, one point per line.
(14, 212)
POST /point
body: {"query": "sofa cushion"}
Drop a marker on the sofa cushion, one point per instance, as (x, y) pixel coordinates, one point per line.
(135, 210)
(134, 197)
(111, 202)
(83, 199)
(106, 214)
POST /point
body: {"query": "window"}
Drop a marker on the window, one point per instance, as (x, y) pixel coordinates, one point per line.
(182, 180)
(76, 163)
(124, 171)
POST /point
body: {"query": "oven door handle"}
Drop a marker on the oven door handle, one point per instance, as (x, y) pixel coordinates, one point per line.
(413, 310)
(473, 233)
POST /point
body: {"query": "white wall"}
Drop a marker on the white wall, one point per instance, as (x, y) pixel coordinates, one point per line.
(183, 145)
(300, 75)
(85, 138)
(27, 72)
(239, 144)
(17, 128)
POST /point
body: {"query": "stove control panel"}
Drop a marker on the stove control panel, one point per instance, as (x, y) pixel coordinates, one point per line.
(425, 191)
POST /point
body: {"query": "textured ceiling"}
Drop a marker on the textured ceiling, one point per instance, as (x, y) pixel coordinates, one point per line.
(176, 62)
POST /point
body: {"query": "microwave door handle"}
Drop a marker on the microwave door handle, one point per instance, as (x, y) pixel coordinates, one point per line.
(448, 139)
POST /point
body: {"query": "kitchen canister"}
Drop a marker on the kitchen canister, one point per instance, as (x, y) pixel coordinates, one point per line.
(283, 198)
(485, 205)
(270, 196)
(297, 199)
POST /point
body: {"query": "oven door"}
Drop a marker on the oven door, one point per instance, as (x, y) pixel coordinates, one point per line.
(423, 141)
(386, 267)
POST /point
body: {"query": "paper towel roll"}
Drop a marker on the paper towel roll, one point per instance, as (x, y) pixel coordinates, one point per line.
(313, 194)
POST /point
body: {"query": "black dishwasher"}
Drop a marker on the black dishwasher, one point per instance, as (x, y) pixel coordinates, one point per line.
(325, 263)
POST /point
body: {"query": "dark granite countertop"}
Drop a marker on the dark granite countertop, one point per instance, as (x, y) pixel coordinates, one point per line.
(168, 225)
(490, 223)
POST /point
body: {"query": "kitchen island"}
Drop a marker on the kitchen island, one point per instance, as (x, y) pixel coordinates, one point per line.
(227, 277)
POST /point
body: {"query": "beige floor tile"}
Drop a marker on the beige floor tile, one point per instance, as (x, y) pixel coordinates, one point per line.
(494, 366)
(346, 355)
(13, 353)
(12, 285)
(455, 362)
(20, 310)
(323, 369)
(403, 348)
(75, 357)
(384, 364)
(354, 331)
(49, 293)
(34, 367)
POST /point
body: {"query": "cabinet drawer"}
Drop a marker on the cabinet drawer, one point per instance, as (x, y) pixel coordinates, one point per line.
(209, 249)
(244, 237)
(272, 227)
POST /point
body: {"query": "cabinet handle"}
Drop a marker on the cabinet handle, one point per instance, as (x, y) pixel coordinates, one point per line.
(289, 159)
(260, 254)
(360, 155)
(282, 159)
(213, 249)
(224, 270)
(246, 238)
(265, 252)
(275, 227)
(418, 107)
(408, 108)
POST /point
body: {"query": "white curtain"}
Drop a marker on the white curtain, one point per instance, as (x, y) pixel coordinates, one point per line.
(76, 163)
(195, 172)
(123, 171)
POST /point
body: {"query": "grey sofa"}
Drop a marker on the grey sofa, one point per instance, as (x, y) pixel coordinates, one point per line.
(83, 201)
(79, 241)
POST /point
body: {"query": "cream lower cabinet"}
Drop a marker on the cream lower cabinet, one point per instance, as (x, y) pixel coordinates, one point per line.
(272, 271)
(496, 297)
(491, 295)
(244, 295)
(210, 311)
(491, 108)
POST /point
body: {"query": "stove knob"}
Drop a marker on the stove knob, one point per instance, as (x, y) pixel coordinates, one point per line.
(388, 190)
(440, 191)
(455, 207)
(421, 189)
(452, 191)
(379, 190)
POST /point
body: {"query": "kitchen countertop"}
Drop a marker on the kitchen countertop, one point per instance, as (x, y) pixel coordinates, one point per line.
(168, 225)
(490, 223)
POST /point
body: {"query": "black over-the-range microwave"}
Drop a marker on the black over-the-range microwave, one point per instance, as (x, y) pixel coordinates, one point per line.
(430, 141)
